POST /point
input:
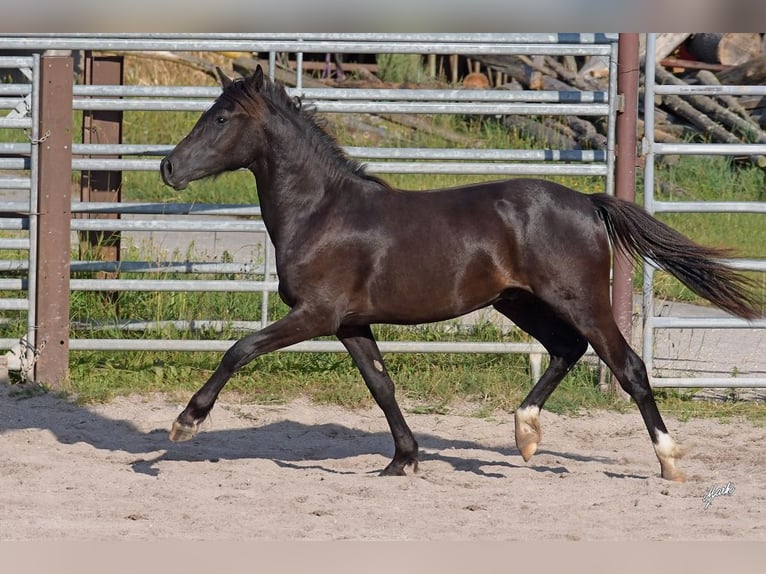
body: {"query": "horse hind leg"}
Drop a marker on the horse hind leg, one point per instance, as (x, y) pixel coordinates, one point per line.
(565, 346)
(631, 373)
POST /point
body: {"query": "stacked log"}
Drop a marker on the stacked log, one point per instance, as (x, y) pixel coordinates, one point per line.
(682, 59)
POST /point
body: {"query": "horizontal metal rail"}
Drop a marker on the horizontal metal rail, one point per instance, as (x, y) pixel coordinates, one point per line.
(313, 346)
(706, 323)
(167, 225)
(107, 38)
(178, 98)
(424, 167)
(151, 285)
(358, 152)
(364, 107)
(195, 267)
(208, 93)
(670, 89)
(15, 183)
(709, 206)
(708, 149)
(307, 44)
(708, 382)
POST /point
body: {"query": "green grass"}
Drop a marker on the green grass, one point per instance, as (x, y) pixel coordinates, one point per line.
(431, 382)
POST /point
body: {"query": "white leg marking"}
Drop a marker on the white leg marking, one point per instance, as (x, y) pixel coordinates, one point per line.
(528, 431)
(378, 365)
(668, 451)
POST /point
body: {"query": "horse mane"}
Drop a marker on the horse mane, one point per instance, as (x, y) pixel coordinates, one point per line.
(315, 137)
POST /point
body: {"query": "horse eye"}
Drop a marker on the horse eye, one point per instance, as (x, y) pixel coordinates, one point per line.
(220, 120)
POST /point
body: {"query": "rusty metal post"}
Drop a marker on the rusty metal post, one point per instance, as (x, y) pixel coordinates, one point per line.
(54, 220)
(625, 175)
(102, 127)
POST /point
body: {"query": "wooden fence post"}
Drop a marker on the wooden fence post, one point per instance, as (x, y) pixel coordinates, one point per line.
(625, 177)
(102, 127)
(53, 231)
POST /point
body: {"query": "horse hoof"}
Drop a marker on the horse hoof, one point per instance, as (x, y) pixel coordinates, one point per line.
(675, 476)
(528, 431)
(396, 468)
(181, 432)
(669, 471)
(527, 450)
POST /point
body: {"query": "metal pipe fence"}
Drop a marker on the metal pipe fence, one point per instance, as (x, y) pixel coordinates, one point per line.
(260, 276)
(651, 321)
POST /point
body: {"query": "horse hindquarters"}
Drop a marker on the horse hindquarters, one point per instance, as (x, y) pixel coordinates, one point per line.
(574, 306)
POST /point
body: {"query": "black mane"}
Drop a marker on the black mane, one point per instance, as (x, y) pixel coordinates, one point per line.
(315, 139)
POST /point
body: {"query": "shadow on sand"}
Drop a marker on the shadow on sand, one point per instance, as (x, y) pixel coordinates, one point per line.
(287, 443)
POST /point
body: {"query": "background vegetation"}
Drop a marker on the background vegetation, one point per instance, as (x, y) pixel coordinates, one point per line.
(428, 382)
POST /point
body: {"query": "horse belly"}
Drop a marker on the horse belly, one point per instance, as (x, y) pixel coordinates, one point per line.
(421, 290)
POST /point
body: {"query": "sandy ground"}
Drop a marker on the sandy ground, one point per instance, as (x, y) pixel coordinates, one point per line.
(306, 472)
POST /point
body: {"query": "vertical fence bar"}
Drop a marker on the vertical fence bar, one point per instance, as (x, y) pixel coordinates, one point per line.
(53, 221)
(649, 154)
(28, 373)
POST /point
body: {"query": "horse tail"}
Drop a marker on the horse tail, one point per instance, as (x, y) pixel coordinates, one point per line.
(636, 232)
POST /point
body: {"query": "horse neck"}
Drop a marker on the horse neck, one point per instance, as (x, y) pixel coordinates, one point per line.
(294, 181)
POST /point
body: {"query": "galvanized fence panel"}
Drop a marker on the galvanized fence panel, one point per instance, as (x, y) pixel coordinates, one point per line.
(651, 321)
(20, 218)
(260, 277)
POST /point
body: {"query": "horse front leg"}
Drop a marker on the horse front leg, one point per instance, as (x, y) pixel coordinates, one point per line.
(363, 349)
(298, 325)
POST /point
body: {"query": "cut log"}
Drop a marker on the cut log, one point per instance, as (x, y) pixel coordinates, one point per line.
(512, 66)
(666, 43)
(549, 136)
(706, 125)
(750, 73)
(586, 133)
(729, 119)
(732, 103)
(729, 49)
(699, 119)
(596, 67)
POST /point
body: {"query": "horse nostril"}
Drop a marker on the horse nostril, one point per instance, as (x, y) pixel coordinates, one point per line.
(166, 170)
(166, 167)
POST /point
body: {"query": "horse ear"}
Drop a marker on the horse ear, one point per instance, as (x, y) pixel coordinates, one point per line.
(257, 78)
(225, 80)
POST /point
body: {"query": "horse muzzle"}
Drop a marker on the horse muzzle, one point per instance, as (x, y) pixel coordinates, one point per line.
(168, 175)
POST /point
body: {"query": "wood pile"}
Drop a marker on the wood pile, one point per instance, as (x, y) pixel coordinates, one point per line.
(692, 59)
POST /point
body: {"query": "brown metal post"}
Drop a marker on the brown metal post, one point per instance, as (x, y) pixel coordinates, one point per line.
(53, 231)
(625, 176)
(102, 127)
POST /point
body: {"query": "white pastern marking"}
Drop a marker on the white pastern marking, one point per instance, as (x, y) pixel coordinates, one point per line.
(666, 447)
(528, 413)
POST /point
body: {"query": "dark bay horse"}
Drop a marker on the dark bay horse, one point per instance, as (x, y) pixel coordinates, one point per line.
(352, 251)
